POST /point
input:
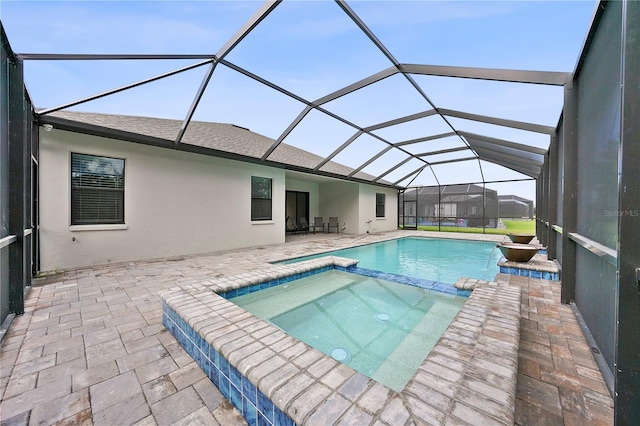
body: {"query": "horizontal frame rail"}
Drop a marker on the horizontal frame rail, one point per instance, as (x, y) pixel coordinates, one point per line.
(600, 250)
(9, 239)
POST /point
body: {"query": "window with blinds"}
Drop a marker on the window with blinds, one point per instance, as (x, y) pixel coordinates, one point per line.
(260, 198)
(380, 204)
(97, 190)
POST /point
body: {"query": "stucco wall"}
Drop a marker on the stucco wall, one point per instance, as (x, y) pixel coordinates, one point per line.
(175, 203)
(368, 210)
(341, 199)
(313, 188)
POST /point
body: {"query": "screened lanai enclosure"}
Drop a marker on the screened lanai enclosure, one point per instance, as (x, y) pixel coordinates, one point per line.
(392, 96)
(468, 205)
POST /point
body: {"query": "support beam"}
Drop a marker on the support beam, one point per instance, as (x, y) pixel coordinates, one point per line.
(570, 193)
(515, 76)
(401, 120)
(456, 160)
(418, 170)
(288, 130)
(548, 221)
(552, 201)
(521, 125)
(196, 101)
(374, 78)
(108, 56)
(510, 166)
(356, 19)
(265, 9)
(122, 88)
(488, 154)
(402, 163)
(627, 371)
(371, 160)
(339, 150)
(504, 143)
(17, 153)
(427, 138)
(444, 151)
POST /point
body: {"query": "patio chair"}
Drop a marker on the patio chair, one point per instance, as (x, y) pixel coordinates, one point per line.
(303, 225)
(291, 225)
(318, 222)
(333, 223)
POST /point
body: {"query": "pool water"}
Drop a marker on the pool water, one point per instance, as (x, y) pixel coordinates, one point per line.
(441, 260)
(379, 328)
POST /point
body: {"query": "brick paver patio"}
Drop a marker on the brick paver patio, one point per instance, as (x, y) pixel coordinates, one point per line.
(91, 348)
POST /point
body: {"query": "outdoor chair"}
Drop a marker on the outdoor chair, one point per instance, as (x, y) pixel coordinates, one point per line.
(291, 227)
(303, 225)
(318, 222)
(333, 223)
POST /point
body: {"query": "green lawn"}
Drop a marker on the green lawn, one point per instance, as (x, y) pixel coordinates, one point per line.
(512, 227)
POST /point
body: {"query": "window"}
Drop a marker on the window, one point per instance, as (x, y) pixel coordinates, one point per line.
(260, 198)
(379, 205)
(97, 190)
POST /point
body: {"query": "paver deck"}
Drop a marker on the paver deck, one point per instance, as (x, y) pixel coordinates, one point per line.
(91, 348)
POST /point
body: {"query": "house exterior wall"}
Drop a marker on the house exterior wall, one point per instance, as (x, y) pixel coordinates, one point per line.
(176, 203)
(341, 199)
(368, 210)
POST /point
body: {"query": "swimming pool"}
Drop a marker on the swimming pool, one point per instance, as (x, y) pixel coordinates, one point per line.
(382, 329)
(441, 260)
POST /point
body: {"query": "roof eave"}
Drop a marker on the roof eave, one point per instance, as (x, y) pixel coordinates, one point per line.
(94, 130)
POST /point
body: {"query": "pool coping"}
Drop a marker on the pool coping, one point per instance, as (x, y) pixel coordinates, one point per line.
(537, 267)
(469, 375)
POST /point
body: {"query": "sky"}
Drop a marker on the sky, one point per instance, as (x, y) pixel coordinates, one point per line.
(311, 49)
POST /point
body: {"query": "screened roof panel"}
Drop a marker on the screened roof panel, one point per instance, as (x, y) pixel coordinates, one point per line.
(538, 140)
(406, 168)
(533, 103)
(69, 81)
(364, 62)
(151, 97)
(485, 148)
(509, 164)
(392, 159)
(234, 98)
(387, 99)
(450, 175)
(480, 34)
(493, 172)
(426, 178)
(118, 27)
(284, 49)
(360, 150)
(306, 136)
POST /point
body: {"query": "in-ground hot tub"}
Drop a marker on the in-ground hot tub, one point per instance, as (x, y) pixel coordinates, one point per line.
(273, 378)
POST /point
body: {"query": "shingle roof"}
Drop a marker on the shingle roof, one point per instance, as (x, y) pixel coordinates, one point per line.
(218, 136)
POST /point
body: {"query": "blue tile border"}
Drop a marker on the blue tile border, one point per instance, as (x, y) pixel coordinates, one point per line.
(255, 407)
(401, 279)
(230, 294)
(416, 282)
(531, 273)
